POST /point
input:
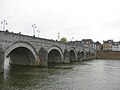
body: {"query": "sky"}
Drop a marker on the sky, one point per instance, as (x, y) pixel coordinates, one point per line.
(74, 19)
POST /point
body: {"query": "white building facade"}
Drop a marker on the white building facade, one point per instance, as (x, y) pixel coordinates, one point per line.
(116, 46)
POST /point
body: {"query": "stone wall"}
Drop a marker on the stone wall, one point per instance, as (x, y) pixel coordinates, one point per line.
(108, 55)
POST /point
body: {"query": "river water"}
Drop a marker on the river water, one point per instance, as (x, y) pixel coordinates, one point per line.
(86, 75)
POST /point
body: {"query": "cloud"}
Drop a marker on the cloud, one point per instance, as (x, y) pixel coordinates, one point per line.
(72, 18)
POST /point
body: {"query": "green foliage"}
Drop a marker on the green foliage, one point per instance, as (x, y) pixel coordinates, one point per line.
(64, 40)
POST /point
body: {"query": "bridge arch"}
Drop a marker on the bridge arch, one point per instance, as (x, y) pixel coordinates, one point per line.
(55, 54)
(21, 53)
(92, 54)
(82, 53)
(88, 55)
(72, 54)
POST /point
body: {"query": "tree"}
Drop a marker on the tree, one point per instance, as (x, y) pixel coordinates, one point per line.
(64, 40)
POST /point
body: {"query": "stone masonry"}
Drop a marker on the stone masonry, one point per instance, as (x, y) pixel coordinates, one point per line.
(33, 51)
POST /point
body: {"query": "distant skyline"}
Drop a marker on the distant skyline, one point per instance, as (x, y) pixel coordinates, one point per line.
(74, 19)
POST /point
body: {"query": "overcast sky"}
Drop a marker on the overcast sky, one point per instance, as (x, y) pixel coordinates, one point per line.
(81, 19)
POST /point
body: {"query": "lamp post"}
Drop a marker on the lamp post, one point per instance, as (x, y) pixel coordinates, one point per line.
(58, 35)
(34, 26)
(38, 31)
(72, 39)
(4, 24)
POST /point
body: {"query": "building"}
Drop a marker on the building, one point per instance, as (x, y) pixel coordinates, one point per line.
(97, 46)
(116, 46)
(78, 43)
(87, 43)
(107, 45)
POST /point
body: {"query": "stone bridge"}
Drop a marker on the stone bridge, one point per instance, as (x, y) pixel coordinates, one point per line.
(33, 51)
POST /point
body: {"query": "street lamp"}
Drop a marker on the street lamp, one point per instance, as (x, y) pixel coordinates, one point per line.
(58, 35)
(38, 31)
(72, 38)
(4, 24)
(34, 26)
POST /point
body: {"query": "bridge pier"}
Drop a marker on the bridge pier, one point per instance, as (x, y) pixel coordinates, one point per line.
(1, 60)
(66, 56)
(43, 60)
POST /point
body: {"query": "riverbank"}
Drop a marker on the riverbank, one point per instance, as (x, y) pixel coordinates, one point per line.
(108, 55)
